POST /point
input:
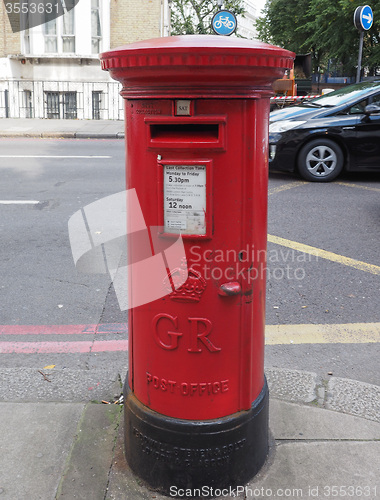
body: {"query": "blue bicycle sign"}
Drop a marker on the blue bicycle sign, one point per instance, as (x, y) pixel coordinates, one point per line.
(224, 23)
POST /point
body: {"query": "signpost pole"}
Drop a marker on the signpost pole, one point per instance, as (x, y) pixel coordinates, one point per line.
(360, 57)
(363, 21)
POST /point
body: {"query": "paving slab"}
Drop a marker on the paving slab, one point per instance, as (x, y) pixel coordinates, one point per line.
(29, 384)
(356, 398)
(87, 470)
(330, 469)
(35, 443)
(292, 385)
(290, 421)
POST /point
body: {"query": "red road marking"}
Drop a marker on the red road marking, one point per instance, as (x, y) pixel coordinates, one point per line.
(62, 347)
(63, 329)
(20, 347)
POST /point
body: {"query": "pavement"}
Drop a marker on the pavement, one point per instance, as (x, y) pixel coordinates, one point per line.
(325, 441)
(63, 444)
(65, 129)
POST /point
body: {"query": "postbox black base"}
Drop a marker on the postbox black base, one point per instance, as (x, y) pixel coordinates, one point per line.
(171, 454)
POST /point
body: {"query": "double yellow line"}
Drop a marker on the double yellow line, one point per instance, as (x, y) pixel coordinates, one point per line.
(349, 333)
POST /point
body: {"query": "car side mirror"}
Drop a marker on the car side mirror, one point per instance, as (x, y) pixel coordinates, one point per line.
(371, 109)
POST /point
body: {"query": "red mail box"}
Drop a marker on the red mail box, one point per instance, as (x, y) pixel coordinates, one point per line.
(197, 111)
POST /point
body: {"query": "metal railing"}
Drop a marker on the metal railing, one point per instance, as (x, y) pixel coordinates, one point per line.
(61, 100)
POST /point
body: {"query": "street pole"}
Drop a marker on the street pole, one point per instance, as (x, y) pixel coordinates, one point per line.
(363, 21)
(360, 57)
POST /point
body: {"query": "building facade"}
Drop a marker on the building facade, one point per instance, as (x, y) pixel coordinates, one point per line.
(52, 70)
(246, 24)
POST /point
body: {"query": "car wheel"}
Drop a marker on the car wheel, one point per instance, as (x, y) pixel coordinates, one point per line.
(320, 160)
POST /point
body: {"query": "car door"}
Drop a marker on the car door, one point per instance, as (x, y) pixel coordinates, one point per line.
(367, 136)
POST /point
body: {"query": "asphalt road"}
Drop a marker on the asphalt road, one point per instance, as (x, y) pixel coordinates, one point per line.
(334, 280)
(336, 286)
(40, 285)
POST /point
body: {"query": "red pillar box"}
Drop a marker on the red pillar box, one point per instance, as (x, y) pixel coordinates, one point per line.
(196, 399)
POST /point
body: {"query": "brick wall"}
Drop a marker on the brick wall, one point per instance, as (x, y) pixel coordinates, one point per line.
(9, 42)
(134, 20)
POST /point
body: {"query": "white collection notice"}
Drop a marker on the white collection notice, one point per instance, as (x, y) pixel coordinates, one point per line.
(185, 199)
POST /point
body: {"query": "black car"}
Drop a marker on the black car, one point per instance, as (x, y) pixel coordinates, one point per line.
(320, 137)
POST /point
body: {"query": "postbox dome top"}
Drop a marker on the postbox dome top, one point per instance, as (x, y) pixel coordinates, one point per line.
(196, 62)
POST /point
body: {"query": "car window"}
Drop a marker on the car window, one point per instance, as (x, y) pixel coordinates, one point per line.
(344, 94)
(376, 99)
(358, 108)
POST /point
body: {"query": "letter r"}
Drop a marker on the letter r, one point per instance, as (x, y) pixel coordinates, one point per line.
(196, 336)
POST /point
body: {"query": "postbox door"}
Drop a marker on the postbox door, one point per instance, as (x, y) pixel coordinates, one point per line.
(197, 352)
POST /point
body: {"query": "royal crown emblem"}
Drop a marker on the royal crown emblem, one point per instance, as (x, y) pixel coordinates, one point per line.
(189, 291)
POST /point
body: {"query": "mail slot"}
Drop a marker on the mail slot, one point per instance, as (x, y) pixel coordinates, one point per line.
(195, 132)
(185, 132)
(196, 398)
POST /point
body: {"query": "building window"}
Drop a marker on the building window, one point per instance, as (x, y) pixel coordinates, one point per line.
(70, 105)
(61, 105)
(51, 39)
(68, 31)
(96, 30)
(79, 30)
(52, 105)
(27, 42)
(96, 104)
(4, 104)
(28, 104)
(60, 34)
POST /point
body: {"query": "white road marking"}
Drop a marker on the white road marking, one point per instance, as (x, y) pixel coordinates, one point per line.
(55, 156)
(19, 202)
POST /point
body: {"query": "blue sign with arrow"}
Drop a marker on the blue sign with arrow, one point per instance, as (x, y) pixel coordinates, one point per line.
(363, 18)
(363, 21)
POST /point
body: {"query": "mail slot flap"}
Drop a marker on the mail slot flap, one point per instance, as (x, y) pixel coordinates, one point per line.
(200, 132)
